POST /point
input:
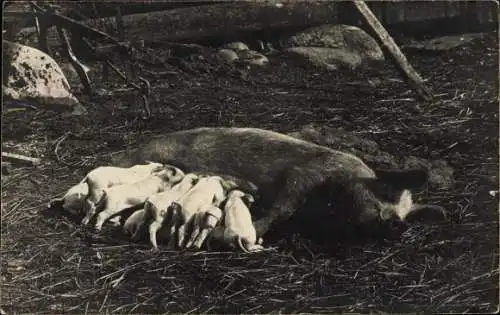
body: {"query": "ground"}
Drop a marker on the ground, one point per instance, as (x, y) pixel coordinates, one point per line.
(50, 264)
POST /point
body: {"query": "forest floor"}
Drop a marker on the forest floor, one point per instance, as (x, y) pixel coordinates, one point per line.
(50, 264)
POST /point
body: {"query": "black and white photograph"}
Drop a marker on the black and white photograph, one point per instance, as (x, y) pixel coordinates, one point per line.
(250, 157)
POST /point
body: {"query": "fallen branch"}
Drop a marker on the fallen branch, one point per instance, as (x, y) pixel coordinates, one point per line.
(74, 26)
(399, 58)
(20, 158)
(81, 69)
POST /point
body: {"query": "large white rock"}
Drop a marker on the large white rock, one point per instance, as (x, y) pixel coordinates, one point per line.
(31, 75)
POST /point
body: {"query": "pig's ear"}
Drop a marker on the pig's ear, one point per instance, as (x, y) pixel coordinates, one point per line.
(248, 199)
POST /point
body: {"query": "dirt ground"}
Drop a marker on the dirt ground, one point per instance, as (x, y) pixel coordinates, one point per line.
(50, 264)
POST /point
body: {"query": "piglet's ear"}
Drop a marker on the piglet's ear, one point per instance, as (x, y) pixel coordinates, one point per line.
(229, 185)
(195, 180)
(172, 169)
(248, 199)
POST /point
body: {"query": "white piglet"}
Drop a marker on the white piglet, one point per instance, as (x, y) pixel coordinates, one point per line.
(133, 222)
(157, 206)
(74, 199)
(108, 176)
(208, 191)
(205, 222)
(238, 229)
(118, 198)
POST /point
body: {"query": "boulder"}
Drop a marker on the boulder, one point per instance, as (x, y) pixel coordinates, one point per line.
(441, 43)
(334, 46)
(226, 55)
(237, 46)
(327, 58)
(251, 57)
(31, 75)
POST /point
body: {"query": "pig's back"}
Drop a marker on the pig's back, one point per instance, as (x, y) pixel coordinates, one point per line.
(255, 154)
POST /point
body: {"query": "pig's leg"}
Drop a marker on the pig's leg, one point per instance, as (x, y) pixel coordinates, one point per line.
(298, 182)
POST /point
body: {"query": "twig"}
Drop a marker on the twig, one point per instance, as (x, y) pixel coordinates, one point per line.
(21, 158)
(58, 143)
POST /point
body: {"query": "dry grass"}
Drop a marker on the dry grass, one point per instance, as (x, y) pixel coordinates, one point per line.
(52, 265)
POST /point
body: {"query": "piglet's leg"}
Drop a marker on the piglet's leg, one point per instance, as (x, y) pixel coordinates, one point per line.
(115, 220)
(197, 227)
(173, 225)
(139, 231)
(106, 214)
(255, 248)
(90, 209)
(56, 202)
(181, 234)
(153, 229)
(198, 242)
(209, 222)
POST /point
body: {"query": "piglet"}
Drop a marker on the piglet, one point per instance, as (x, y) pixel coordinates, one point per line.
(133, 222)
(156, 207)
(208, 191)
(74, 199)
(204, 222)
(238, 229)
(117, 198)
(108, 176)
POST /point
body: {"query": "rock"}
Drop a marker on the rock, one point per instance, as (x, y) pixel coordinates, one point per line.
(227, 55)
(30, 74)
(337, 36)
(332, 46)
(236, 46)
(327, 58)
(442, 43)
(252, 57)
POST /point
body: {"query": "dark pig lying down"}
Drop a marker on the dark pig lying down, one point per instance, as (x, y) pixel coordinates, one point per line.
(284, 169)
